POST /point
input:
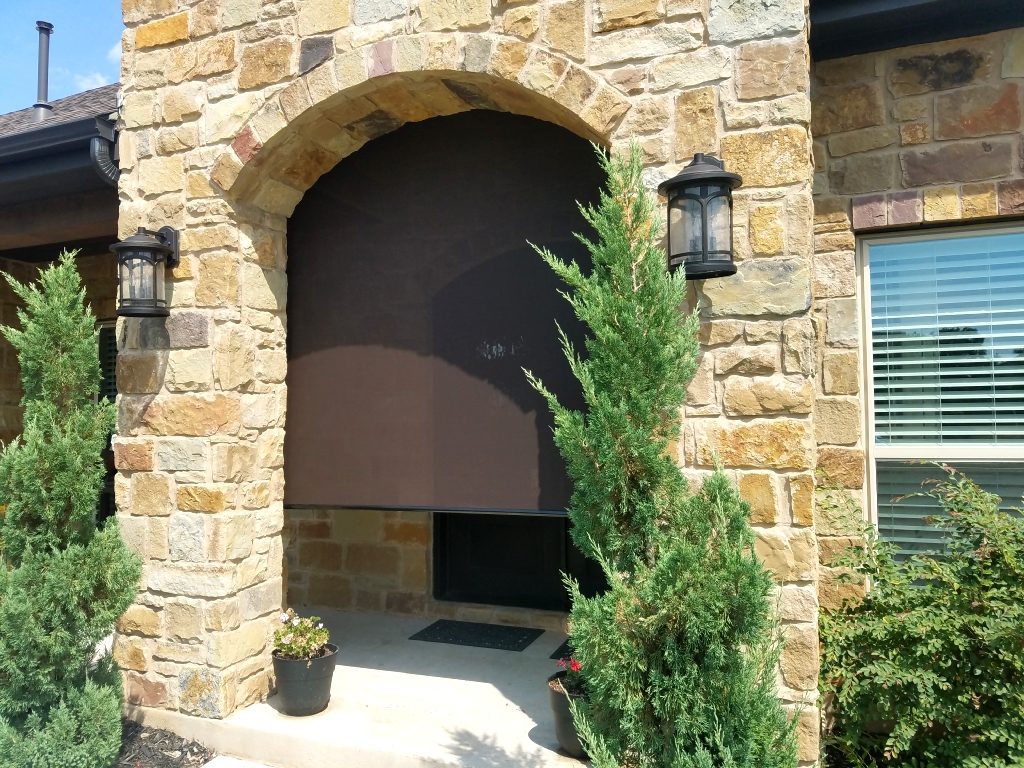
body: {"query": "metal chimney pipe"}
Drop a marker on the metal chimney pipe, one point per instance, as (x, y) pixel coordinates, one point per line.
(42, 105)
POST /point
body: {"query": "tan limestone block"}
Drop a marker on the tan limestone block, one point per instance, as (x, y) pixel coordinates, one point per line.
(763, 443)
(161, 174)
(790, 554)
(205, 18)
(263, 288)
(789, 148)
(189, 370)
(372, 560)
(144, 692)
(262, 599)
(135, 11)
(177, 139)
(915, 133)
(225, 648)
(842, 327)
(772, 68)
(186, 536)
(646, 42)
(178, 653)
(565, 28)
(230, 537)
(762, 332)
(832, 548)
(763, 358)
(616, 14)
(834, 275)
(836, 588)
(208, 580)
(767, 237)
(129, 653)
(508, 58)
(132, 456)
(864, 140)
(183, 620)
(797, 603)
(719, 332)
(846, 108)
(202, 498)
(758, 489)
(233, 462)
(222, 615)
(323, 16)
(842, 466)
(1013, 56)
(808, 731)
(837, 420)
(605, 110)
(164, 31)
(276, 197)
(139, 620)
(317, 554)
(407, 531)
(151, 494)
(265, 63)
(685, 70)
(941, 204)
(182, 102)
(157, 546)
(696, 122)
(193, 415)
(800, 657)
(522, 21)
(841, 373)
(978, 200)
(234, 358)
(214, 56)
(206, 693)
(837, 511)
(701, 389)
(763, 395)
(437, 15)
(217, 284)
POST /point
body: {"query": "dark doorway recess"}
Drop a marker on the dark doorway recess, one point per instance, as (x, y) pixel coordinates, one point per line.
(414, 303)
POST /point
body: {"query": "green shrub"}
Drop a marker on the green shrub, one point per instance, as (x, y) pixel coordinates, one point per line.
(63, 583)
(680, 652)
(928, 670)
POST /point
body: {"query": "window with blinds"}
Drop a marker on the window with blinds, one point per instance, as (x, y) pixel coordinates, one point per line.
(947, 369)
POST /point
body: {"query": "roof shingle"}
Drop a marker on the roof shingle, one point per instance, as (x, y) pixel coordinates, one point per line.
(92, 103)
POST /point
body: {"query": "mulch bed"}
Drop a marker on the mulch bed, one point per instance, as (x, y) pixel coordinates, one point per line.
(143, 747)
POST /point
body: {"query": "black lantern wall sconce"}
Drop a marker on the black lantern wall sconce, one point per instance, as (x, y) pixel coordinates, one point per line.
(142, 260)
(700, 218)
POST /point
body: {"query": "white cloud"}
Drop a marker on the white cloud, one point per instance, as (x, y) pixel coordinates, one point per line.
(90, 80)
(114, 54)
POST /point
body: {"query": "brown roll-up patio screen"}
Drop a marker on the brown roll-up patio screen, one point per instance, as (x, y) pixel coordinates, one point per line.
(414, 303)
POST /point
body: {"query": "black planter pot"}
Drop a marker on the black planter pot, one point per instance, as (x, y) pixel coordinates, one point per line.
(304, 687)
(565, 728)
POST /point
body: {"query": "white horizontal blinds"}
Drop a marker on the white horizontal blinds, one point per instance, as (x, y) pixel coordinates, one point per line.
(947, 336)
(902, 520)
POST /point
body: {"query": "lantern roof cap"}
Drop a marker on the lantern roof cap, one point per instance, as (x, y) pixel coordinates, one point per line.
(703, 168)
(143, 238)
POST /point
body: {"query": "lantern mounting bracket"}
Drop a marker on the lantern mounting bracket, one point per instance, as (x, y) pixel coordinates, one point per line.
(169, 237)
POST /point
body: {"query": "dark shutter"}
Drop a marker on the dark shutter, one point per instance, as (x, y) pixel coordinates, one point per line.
(108, 362)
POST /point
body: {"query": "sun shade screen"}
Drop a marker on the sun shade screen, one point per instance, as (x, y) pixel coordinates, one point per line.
(414, 304)
(947, 337)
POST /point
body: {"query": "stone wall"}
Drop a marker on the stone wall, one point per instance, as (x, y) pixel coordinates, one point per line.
(374, 560)
(233, 108)
(928, 134)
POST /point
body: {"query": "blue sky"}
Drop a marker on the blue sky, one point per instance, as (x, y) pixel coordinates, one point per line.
(84, 48)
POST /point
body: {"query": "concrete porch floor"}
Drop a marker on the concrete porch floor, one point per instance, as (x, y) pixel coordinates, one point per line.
(400, 703)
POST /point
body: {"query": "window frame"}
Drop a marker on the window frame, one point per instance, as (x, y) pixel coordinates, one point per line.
(960, 455)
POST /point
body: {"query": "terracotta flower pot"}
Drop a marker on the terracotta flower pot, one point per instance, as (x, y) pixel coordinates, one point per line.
(565, 728)
(304, 687)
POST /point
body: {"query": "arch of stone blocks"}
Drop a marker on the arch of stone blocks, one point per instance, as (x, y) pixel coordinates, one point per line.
(349, 99)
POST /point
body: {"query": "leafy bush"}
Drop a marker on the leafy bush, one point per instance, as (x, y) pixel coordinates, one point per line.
(63, 583)
(928, 670)
(299, 638)
(680, 651)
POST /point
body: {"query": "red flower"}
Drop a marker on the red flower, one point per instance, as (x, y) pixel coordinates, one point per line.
(574, 665)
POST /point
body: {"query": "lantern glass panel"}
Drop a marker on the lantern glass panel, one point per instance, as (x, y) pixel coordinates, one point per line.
(136, 279)
(719, 226)
(685, 226)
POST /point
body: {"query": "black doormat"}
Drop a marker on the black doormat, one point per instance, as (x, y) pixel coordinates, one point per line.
(496, 636)
(564, 651)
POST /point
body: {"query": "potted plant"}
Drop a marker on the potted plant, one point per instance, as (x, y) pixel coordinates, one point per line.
(303, 664)
(565, 685)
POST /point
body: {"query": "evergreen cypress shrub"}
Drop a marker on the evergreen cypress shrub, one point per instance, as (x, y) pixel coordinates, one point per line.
(928, 669)
(63, 582)
(679, 654)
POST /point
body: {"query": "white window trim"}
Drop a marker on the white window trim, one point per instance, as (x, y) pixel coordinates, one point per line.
(958, 455)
